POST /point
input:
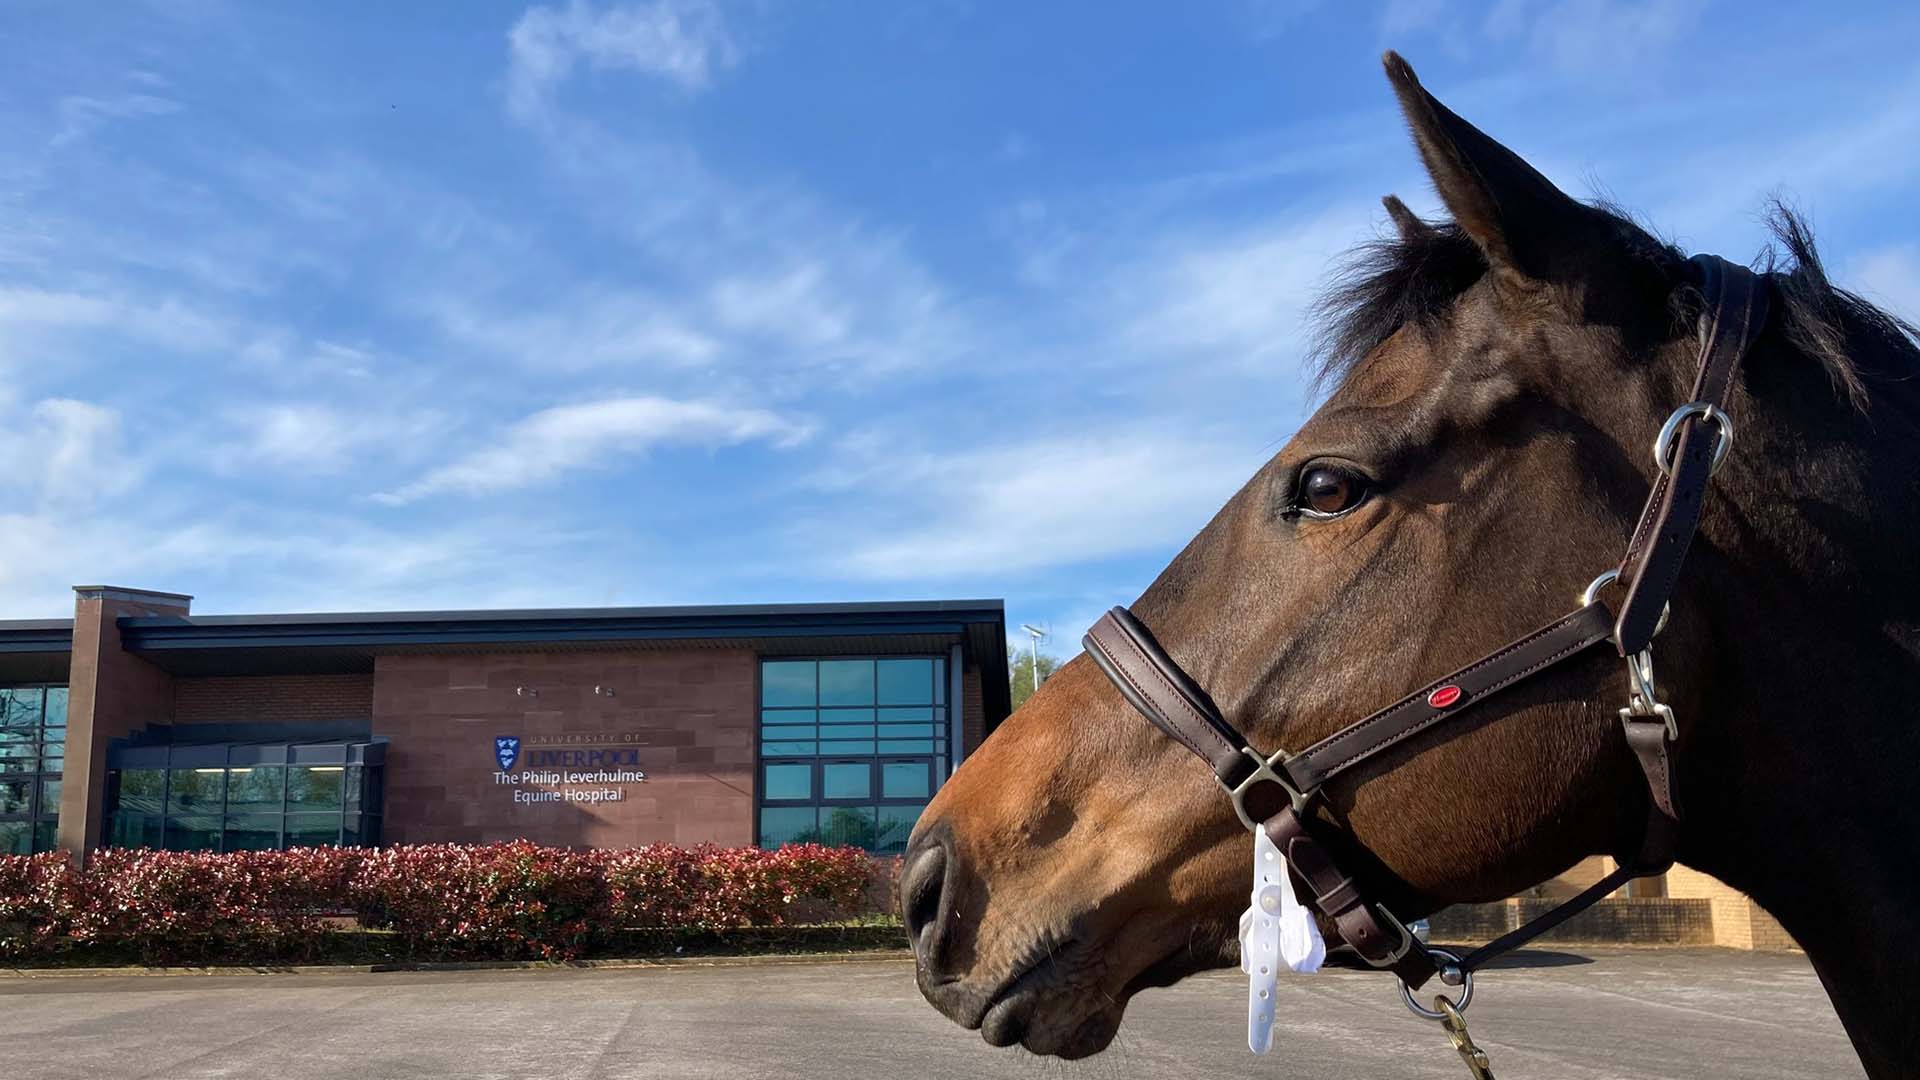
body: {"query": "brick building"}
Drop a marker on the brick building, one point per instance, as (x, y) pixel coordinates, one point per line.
(138, 723)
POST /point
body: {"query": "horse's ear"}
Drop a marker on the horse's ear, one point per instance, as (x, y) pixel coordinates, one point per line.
(1406, 221)
(1516, 216)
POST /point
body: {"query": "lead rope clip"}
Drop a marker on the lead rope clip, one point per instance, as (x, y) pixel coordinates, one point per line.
(1276, 931)
(1477, 1064)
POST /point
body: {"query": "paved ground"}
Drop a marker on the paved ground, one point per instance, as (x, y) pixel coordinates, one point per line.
(1682, 1014)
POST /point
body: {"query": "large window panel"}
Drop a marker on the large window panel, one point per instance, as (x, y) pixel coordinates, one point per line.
(905, 682)
(825, 727)
(196, 791)
(787, 683)
(314, 787)
(846, 682)
(256, 789)
(787, 782)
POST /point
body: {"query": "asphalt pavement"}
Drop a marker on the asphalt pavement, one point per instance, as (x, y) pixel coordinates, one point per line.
(1684, 1014)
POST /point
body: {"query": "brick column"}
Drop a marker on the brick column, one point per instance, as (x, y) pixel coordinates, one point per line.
(111, 693)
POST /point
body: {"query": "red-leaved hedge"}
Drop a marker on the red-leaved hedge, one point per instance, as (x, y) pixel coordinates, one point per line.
(440, 901)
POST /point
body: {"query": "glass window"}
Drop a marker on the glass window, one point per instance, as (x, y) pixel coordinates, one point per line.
(361, 830)
(906, 682)
(142, 791)
(193, 832)
(20, 707)
(846, 780)
(787, 781)
(45, 835)
(56, 707)
(135, 831)
(314, 787)
(906, 780)
(787, 683)
(846, 682)
(895, 825)
(849, 712)
(312, 830)
(49, 795)
(847, 826)
(196, 790)
(253, 832)
(16, 797)
(787, 825)
(255, 789)
(16, 837)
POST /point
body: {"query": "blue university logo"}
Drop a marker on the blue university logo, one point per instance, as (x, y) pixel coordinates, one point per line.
(506, 750)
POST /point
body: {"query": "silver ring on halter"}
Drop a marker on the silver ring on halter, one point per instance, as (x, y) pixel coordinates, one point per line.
(1450, 974)
(1669, 431)
(1593, 588)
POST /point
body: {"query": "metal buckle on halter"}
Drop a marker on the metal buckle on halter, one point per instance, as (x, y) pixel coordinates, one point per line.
(1592, 591)
(1669, 431)
(1263, 771)
(1643, 698)
(1406, 940)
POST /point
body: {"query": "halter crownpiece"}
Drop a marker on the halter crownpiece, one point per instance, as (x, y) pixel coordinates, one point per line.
(1274, 794)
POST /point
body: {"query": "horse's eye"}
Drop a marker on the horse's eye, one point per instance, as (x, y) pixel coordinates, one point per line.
(1326, 490)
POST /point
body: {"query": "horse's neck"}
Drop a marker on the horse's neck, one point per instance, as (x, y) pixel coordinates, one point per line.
(1799, 779)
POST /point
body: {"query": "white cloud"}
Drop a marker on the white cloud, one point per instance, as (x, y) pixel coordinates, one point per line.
(569, 437)
(1237, 298)
(63, 452)
(81, 116)
(159, 320)
(681, 41)
(314, 438)
(80, 447)
(1018, 508)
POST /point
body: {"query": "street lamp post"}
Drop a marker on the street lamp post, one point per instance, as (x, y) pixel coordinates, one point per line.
(1034, 634)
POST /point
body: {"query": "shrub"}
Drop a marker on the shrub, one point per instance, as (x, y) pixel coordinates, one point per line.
(172, 906)
(504, 901)
(441, 901)
(35, 903)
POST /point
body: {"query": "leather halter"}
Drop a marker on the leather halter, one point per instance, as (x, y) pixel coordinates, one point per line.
(1736, 310)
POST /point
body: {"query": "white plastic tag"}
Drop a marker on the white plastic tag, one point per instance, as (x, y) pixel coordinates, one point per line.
(1276, 931)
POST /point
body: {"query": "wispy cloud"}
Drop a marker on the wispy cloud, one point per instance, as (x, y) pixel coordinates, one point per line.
(81, 116)
(684, 42)
(569, 437)
(1016, 508)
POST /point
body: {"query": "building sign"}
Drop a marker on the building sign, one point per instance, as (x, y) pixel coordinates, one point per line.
(573, 768)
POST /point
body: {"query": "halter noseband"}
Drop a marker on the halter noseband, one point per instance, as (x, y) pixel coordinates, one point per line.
(1687, 455)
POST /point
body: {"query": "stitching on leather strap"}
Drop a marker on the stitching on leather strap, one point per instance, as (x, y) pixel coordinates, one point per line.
(1180, 733)
(1418, 696)
(1335, 769)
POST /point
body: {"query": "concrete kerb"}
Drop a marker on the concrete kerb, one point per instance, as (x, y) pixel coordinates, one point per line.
(863, 957)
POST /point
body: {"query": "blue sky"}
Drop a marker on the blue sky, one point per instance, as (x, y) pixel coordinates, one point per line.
(469, 305)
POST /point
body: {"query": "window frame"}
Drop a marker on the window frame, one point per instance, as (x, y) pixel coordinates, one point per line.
(942, 718)
(38, 815)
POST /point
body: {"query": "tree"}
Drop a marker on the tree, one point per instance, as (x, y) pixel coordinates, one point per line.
(1020, 676)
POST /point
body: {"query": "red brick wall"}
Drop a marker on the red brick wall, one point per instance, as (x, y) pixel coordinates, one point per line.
(271, 698)
(973, 715)
(111, 693)
(689, 714)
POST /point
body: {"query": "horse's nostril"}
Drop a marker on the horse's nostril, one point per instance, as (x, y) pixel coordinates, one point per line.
(920, 887)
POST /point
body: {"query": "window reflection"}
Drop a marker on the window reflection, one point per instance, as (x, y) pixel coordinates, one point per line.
(825, 725)
(33, 737)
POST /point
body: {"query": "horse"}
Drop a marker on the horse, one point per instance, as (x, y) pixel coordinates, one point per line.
(1491, 382)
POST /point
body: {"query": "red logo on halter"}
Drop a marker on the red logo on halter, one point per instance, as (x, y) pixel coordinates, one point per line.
(1443, 696)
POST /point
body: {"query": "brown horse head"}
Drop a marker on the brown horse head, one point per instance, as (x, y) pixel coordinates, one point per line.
(1481, 457)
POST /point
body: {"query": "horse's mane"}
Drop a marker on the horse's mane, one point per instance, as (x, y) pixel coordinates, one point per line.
(1413, 279)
